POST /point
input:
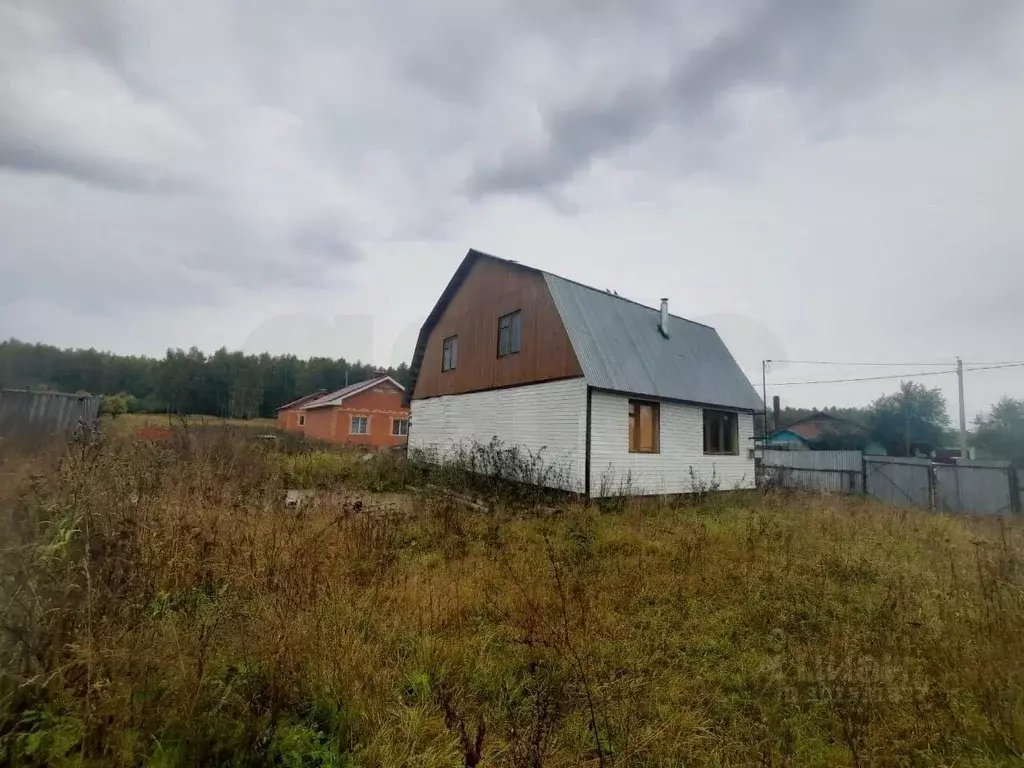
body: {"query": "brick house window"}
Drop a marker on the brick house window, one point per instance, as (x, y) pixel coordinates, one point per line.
(644, 427)
(302, 419)
(359, 425)
(508, 333)
(399, 427)
(721, 433)
(450, 353)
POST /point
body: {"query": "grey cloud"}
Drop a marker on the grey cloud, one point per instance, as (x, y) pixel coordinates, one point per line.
(223, 249)
(323, 238)
(67, 112)
(172, 167)
(574, 136)
(221, 156)
(22, 155)
(97, 283)
(822, 54)
(98, 30)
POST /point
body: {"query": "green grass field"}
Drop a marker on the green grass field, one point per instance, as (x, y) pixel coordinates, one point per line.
(162, 606)
(130, 423)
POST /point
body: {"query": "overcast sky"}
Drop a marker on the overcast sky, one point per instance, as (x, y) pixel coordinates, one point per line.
(821, 180)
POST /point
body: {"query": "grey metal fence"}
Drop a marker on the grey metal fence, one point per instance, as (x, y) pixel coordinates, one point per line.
(984, 488)
(1020, 490)
(38, 415)
(902, 482)
(975, 487)
(839, 471)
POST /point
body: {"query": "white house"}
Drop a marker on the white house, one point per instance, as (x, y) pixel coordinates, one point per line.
(613, 395)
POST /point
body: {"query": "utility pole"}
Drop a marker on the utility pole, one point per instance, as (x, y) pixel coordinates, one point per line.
(906, 422)
(764, 399)
(906, 404)
(963, 415)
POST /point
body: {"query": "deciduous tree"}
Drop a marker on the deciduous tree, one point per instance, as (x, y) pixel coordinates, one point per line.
(999, 434)
(910, 420)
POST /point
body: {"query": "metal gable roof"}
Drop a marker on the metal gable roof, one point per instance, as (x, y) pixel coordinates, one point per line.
(333, 398)
(807, 428)
(302, 400)
(620, 348)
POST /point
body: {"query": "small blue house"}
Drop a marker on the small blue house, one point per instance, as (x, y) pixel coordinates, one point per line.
(802, 435)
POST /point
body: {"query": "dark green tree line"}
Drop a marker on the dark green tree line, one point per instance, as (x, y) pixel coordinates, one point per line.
(229, 384)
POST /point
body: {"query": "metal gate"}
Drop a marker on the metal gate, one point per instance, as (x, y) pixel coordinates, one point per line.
(902, 482)
(980, 488)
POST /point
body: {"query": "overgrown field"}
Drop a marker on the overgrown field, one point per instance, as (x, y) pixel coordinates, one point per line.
(161, 605)
(133, 423)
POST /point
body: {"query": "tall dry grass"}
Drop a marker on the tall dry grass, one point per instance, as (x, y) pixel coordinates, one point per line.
(161, 605)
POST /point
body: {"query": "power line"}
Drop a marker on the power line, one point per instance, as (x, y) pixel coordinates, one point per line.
(842, 362)
(863, 378)
(898, 375)
(993, 366)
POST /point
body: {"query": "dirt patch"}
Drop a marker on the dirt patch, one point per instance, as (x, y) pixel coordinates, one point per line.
(154, 433)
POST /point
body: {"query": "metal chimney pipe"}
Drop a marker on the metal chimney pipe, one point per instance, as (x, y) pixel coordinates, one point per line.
(664, 318)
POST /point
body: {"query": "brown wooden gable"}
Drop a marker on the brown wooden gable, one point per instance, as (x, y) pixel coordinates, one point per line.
(489, 289)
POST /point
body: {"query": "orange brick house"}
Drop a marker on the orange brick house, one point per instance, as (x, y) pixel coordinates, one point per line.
(368, 413)
(288, 414)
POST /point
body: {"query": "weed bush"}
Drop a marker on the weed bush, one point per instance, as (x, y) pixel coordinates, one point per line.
(161, 605)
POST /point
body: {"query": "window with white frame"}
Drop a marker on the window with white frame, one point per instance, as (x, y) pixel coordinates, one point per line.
(399, 427)
(360, 425)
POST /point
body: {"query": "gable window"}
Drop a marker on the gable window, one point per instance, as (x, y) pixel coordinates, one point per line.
(359, 425)
(450, 353)
(302, 419)
(508, 333)
(644, 427)
(399, 427)
(721, 433)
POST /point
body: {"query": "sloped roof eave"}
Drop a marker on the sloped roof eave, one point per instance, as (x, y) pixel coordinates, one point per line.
(300, 401)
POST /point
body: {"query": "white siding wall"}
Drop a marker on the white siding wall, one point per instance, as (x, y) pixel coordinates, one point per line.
(613, 467)
(549, 417)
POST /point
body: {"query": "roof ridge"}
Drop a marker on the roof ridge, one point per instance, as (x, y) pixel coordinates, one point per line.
(630, 301)
(603, 292)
